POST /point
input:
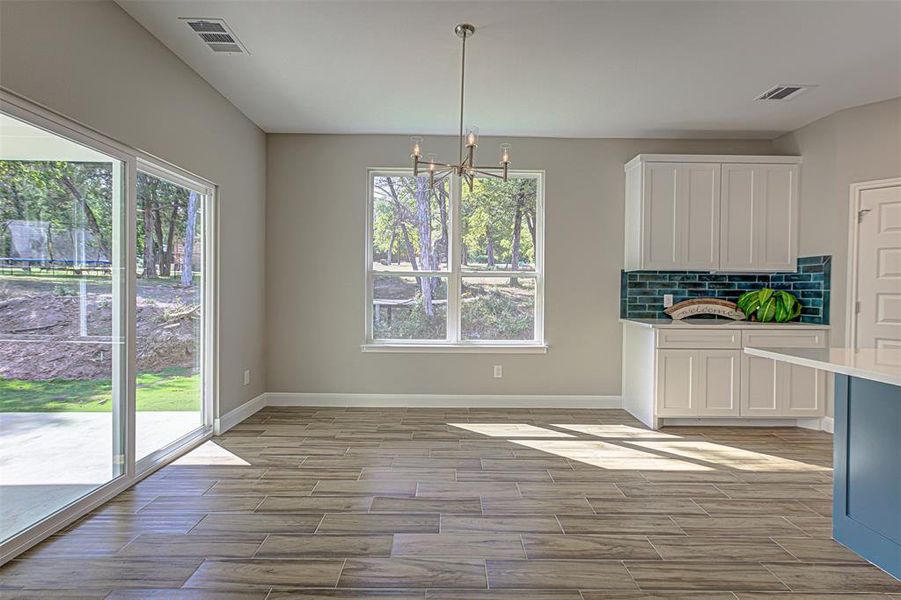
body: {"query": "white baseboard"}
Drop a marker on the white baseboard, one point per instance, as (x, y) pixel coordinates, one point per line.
(235, 416)
(826, 424)
(736, 422)
(442, 400)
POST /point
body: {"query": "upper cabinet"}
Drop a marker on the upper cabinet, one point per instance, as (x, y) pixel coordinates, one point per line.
(711, 213)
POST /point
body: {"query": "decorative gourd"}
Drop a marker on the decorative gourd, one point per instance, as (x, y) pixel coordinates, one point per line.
(767, 305)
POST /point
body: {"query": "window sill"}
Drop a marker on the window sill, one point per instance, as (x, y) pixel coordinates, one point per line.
(456, 348)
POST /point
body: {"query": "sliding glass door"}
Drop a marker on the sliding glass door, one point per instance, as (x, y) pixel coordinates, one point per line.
(62, 322)
(170, 314)
(107, 318)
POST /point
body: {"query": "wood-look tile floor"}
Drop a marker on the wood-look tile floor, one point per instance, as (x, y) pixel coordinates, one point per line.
(457, 504)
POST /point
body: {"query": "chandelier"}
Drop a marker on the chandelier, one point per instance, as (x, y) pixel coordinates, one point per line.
(465, 167)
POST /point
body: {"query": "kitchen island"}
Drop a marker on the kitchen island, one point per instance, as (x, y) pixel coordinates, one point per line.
(866, 508)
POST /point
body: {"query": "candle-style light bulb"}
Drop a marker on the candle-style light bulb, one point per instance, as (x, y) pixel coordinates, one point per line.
(505, 154)
(472, 137)
(416, 143)
(430, 158)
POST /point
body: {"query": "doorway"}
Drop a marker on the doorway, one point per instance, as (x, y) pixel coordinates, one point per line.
(875, 269)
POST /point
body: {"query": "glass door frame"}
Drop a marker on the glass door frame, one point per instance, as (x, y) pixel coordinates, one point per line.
(124, 318)
(208, 306)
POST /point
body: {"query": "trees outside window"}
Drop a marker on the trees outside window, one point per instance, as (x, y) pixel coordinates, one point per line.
(450, 265)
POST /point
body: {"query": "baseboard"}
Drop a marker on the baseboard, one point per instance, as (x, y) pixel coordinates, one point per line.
(235, 416)
(733, 422)
(827, 424)
(442, 400)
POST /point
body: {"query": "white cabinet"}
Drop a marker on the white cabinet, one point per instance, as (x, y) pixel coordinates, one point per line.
(758, 218)
(702, 372)
(711, 213)
(773, 388)
(698, 383)
(680, 216)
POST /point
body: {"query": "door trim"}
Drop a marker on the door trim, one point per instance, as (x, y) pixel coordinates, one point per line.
(851, 297)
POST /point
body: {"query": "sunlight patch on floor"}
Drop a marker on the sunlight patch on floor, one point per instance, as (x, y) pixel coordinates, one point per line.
(211, 453)
(610, 456)
(618, 431)
(511, 430)
(728, 456)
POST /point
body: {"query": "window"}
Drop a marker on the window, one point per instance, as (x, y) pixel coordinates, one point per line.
(452, 268)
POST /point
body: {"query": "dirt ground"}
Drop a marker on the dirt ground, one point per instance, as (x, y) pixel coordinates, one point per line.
(44, 336)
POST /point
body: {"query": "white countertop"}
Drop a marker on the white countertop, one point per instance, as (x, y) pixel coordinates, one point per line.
(716, 324)
(867, 363)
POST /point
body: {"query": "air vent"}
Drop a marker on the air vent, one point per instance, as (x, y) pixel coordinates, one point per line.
(216, 34)
(784, 92)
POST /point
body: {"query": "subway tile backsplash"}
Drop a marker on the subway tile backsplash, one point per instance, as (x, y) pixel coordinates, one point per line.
(641, 292)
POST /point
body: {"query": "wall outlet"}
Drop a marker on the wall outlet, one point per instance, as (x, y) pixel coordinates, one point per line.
(498, 371)
(246, 376)
(667, 300)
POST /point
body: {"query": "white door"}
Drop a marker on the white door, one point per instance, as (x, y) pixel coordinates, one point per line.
(760, 387)
(878, 323)
(758, 226)
(681, 207)
(677, 383)
(719, 375)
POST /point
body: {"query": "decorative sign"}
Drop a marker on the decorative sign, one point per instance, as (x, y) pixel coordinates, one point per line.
(705, 306)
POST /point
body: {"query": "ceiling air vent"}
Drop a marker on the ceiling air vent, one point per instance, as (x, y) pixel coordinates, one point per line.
(783, 92)
(216, 35)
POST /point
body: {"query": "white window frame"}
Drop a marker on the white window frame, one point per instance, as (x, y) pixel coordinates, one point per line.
(124, 412)
(455, 275)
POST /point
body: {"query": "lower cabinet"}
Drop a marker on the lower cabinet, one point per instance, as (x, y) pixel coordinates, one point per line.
(772, 388)
(698, 383)
(695, 378)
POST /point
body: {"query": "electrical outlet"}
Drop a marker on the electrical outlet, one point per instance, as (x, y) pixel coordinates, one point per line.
(667, 300)
(498, 371)
(246, 376)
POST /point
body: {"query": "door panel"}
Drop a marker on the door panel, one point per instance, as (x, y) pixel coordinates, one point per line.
(62, 323)
(759, 387)
(804, 391)
(699, 203)
(776, 220)
(661, 225)
(879, 273)
(719, 389)
(677, 379)
(737, 220)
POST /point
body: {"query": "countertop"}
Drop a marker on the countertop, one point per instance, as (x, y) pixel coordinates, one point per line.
(866, 363)
(716, 324)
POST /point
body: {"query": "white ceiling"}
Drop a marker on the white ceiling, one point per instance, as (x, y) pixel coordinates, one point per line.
(570, 69)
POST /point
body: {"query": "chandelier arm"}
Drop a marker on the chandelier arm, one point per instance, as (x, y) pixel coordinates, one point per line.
(437, 164)
(487, 173)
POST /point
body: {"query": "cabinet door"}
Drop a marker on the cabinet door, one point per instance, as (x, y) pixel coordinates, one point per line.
(760, 387)
(681, 204)
(698, 187)
(718, 391)
(737, 252)
(677, 383)
(803, 391)
(758, 218)
(776, 233)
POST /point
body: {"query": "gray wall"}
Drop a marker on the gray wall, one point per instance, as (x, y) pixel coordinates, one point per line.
(90, 61)
(853, 145)
(315, 242)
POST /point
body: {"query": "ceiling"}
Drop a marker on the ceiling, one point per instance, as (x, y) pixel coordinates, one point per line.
(672, 68)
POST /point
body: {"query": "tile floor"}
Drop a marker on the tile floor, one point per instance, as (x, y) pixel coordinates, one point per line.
(466, 504)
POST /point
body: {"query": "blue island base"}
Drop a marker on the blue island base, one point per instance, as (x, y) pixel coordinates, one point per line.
(867, 461)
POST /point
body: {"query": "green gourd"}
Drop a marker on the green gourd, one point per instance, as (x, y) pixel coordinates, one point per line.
(767, 305)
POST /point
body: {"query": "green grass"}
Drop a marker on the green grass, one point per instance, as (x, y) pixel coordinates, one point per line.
(170, 389)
